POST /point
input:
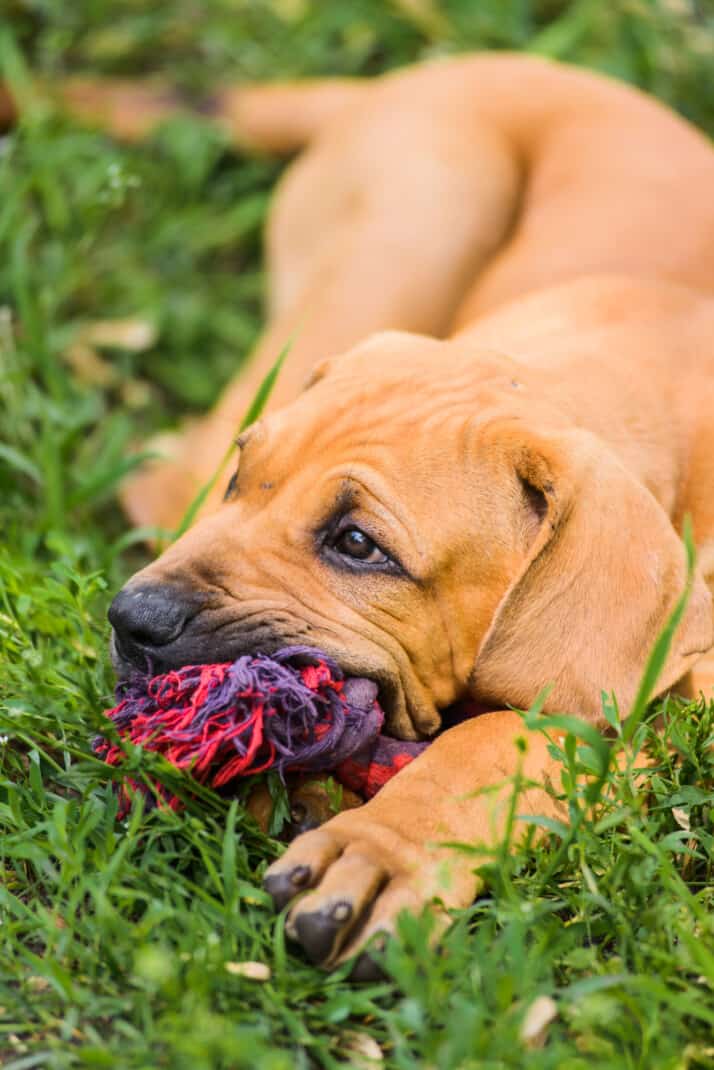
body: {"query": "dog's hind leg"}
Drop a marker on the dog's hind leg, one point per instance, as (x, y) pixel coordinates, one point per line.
(278, 119)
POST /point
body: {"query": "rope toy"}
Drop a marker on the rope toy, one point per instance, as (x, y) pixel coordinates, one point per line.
(294, 712)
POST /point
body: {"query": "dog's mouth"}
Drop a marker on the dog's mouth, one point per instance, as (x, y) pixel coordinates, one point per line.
(159, 627)
(154, 662)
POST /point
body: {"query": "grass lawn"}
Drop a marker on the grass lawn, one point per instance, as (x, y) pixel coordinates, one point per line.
(120, 942)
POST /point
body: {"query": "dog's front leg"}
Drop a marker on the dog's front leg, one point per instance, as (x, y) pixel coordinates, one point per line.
(365, 866)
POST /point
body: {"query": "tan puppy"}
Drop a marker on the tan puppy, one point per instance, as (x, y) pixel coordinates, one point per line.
(477, 516)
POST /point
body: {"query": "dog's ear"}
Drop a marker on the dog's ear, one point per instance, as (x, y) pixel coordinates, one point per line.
(602, 573)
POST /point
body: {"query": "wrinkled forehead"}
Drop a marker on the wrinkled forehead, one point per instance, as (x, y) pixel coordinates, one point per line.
(400, 401)
(327, 432)
(304, 446)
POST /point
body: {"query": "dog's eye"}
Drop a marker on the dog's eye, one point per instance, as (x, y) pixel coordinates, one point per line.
(353, 543)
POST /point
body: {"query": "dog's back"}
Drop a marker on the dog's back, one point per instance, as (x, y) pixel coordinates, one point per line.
(431, 197)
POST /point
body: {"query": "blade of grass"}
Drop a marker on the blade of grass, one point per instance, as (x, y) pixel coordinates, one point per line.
(255, 408)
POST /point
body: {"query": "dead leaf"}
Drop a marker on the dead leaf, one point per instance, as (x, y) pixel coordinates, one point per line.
(681, 816)
(136, 393)
(538, 1017)
(136, 335)
(362, 1051)
(253, 971)
(89, 367)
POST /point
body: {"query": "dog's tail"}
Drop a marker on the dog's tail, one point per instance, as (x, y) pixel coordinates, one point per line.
(275, 118)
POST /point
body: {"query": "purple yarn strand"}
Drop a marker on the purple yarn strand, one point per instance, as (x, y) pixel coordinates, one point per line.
(292, 710)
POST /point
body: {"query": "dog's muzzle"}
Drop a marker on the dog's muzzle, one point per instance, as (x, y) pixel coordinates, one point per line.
(163, 626)
(158, 627)
(150, 624)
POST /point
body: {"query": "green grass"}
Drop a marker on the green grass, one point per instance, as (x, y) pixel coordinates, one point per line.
(114, 937)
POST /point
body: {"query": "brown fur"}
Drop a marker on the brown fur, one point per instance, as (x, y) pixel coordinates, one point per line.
(516, 260)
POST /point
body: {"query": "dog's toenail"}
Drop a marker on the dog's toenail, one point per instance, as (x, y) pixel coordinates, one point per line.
(300, 876)
(282, 887)
(341, 912)
(279, 888)
(317, 933)
(366, 969)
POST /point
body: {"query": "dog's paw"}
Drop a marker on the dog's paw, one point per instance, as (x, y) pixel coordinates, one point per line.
(351, 878)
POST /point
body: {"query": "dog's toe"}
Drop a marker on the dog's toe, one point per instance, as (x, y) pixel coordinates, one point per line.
(325, 919)
(347, 883)
(301, 867)
(319, 931)
(285, 884)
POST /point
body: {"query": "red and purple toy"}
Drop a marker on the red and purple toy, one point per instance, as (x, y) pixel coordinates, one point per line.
(294, 712)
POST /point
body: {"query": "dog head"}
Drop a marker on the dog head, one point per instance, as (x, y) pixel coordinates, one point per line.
(430, 522)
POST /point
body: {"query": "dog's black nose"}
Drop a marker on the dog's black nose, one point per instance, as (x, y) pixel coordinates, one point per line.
(145, 618)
